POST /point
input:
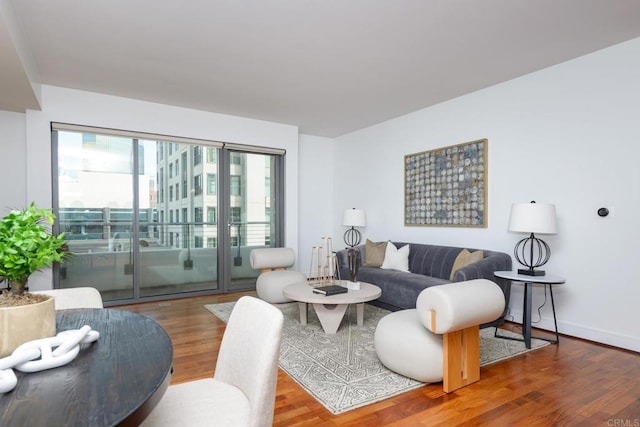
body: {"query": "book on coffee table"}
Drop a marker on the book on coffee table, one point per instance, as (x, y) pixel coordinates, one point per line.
(330, 290)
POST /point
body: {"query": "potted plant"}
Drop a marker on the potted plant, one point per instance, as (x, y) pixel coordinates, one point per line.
(26, 245)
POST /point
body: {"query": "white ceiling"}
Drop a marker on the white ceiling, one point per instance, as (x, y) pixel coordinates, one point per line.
(327, 66)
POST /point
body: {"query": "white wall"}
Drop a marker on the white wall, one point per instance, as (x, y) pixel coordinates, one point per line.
(568, 135)
(14, 164)
(316, 197)
(91, 109)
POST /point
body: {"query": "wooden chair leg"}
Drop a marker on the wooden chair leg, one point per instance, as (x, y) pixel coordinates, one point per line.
(461, 358)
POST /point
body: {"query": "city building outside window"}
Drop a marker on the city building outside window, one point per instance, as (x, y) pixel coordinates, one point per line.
(235, 215)
(211, 155)
(197, 155)
(185, 190)
(197, 185)
(235, 185)
(212, 184)
(212, 217)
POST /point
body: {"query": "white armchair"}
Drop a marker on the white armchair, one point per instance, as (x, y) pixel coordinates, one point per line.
(273, 263)
(84, 297)
(242, 390)
(439, 340)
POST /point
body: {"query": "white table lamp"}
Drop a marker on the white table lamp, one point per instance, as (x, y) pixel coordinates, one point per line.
(353, 218)
(532, 218)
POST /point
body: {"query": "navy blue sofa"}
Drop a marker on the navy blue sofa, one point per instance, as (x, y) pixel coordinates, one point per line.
(429, 265)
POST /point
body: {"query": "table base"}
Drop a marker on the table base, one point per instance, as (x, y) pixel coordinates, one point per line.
(526, 321)
(330, 315)
(527, 342)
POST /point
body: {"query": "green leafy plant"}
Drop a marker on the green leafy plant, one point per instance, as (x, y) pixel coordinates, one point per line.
(27, 245)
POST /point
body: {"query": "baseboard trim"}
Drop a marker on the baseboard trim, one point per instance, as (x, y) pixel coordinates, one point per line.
(601, 336)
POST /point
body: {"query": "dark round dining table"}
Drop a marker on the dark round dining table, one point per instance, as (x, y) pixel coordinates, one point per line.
(116, 380)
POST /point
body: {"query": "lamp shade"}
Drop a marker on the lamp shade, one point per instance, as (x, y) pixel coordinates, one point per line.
(354, 218)
(539, 218)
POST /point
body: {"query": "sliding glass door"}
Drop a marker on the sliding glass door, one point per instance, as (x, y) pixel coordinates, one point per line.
(95, 211)
(145, 218)
(251, 198)
(175, 260)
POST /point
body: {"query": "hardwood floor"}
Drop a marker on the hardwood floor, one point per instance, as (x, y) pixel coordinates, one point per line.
(574, 383)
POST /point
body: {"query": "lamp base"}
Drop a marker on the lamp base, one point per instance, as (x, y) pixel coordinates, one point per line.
(352, 237)
(528, 272)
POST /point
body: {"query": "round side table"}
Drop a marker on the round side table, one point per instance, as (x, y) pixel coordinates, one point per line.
(528, 282)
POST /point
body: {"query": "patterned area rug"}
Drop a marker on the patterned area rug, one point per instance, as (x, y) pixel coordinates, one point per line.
(342, 371)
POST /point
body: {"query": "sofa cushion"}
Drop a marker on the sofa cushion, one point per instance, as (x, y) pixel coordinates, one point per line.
(396, 258)
(463, 259)
(374, 253)
(399, 289)
(432, 260)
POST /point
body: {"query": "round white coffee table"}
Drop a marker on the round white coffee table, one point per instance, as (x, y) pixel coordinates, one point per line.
(330, 309)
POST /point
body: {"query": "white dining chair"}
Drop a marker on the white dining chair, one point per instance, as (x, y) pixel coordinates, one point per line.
(84, 297)
(243, 388)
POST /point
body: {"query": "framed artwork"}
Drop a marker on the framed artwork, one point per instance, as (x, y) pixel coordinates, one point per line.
(447, 186)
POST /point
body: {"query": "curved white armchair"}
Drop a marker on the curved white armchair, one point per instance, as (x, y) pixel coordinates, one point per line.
(243, 388)
(439, 339)
(273, 263)
(84, 297)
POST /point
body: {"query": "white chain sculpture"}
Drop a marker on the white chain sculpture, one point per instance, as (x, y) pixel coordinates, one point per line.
(25, 357)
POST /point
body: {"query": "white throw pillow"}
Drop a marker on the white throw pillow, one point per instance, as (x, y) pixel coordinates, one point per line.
(396, 259)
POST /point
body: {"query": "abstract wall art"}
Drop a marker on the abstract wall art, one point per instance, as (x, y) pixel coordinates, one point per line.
(447, 186)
